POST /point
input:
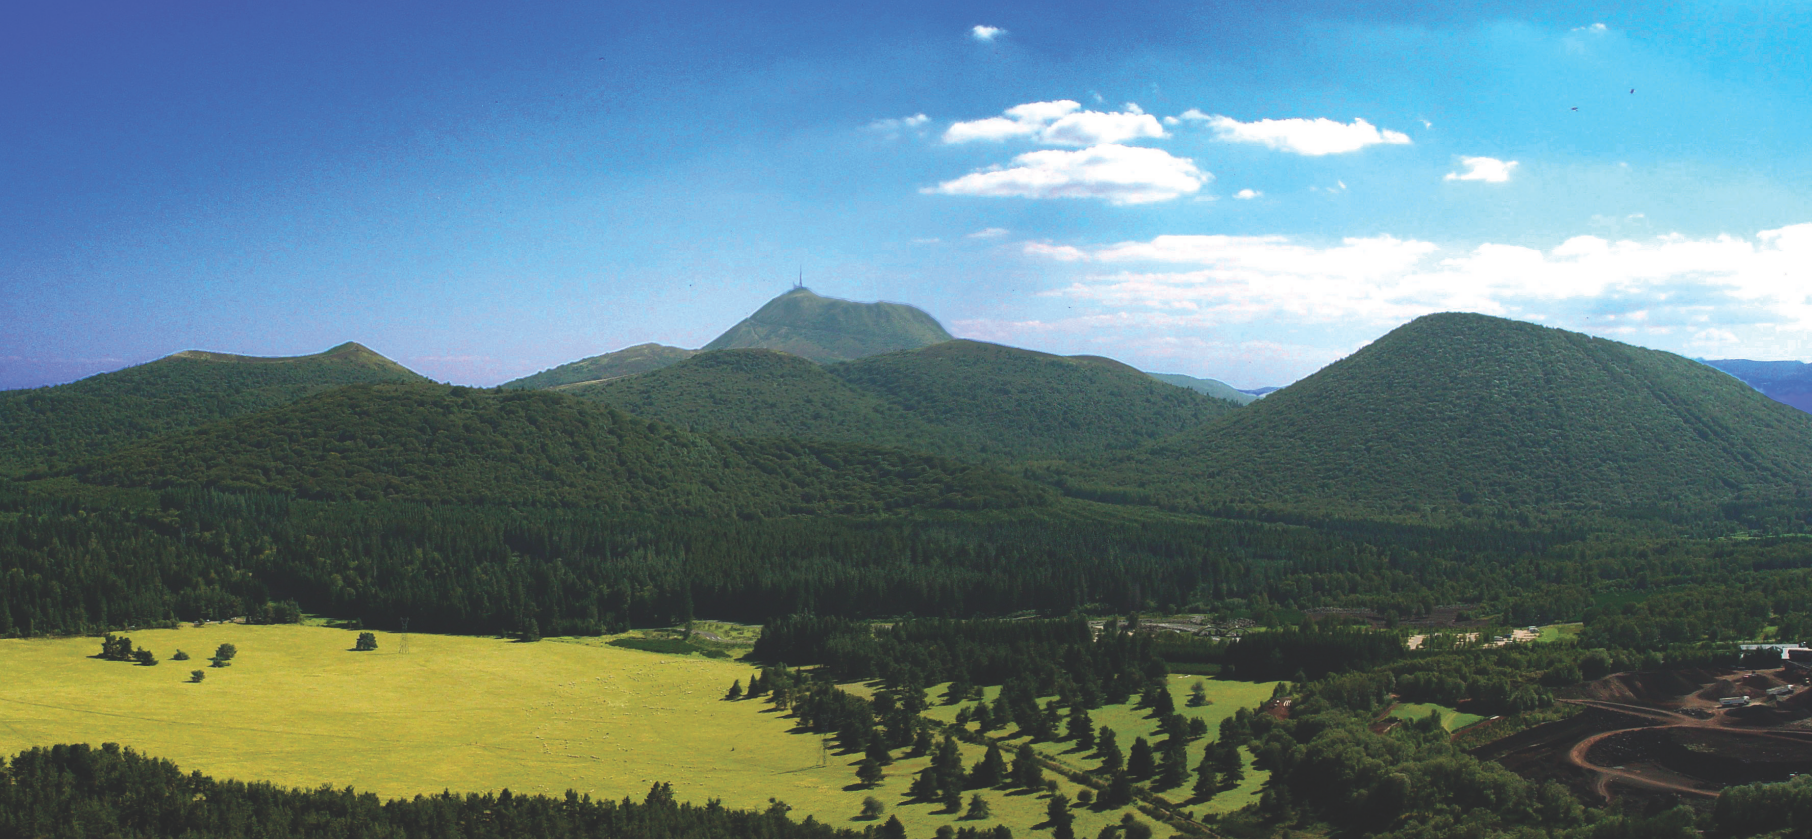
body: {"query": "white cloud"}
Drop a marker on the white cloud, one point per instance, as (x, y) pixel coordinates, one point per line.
(1118, 174)
(1490, 170)
(895, 126)
(986, 34)
(1595, 29)
(1705, 288)
(1059, 123)
(988, 233)
(1247, 194)
(1319, 136)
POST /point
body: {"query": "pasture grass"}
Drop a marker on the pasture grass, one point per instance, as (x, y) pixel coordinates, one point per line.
(1129, 722)
(1452, 719)
(298, 707)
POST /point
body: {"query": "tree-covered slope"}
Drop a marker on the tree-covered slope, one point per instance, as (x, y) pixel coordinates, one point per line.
(628, 361)
(442, 444)
(43, 428)
(1785, 382)
(1211, 387)
(1458, 409)
(824, 329)
(762, 393)
(1004, 402)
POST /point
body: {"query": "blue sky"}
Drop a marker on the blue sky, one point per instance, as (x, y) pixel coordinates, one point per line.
(1239, 191)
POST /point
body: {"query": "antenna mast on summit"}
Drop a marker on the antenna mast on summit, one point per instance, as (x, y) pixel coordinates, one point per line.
(801, 283)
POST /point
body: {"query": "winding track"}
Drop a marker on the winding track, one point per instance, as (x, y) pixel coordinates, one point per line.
(1603, 776)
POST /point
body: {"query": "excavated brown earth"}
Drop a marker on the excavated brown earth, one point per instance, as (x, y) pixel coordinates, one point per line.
(1664, 733)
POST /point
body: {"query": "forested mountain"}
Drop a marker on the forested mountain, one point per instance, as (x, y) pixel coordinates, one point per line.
(1211, 387)
(831, 330)
(1784, 382)
(763, 393)
(628, 361)
(444, 444)
(1454, 410)
(962, 399)
(44, 428)
(1004, 402)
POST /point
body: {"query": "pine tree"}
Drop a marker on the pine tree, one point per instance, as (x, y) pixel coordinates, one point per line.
(877, 749)
(1198, 694)
(735, 692)
(1027, 772)
(978, 808)
(1206, 785)
(1231, 766)
(1109, 749)
(1140, 763)
(1057, 813)
(921, 742)
(1175, 766)
(1082, 728)
(869, 772)
(991, 770)
(1118, 792)
(893, 829)
(924, 786)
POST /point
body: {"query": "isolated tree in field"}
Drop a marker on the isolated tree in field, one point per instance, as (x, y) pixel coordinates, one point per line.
(226, 651)
(1057, 812)
(944, 832)
(991, 770)
(1206, 783)
(179, 656)
(1118, 792)
(197, 676)
(1231, 766)
(1198, 729)
(872, 808)
(1081, 728)
(1175, 766)
(924, 786)
(978, 808)
(1109, 750)
(1085, 797)
(877, 749)
(144, 657)
(1140, 763)
(1027, 772)
(366, 641)
(735, 692)
(869, 772)
(1198, 694)
(893, 828)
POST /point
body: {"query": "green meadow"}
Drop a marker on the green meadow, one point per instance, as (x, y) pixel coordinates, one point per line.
(1129, 722)
(299, 707)
(1452, 719)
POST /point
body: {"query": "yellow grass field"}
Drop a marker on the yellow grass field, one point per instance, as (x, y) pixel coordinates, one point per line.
(299, 707)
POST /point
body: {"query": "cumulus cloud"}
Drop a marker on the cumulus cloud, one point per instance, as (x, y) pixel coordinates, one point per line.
(1118, 174)
(1698, 288)
(1247, 194)
(1059, 123)
(986, 34)
(1489, 170)
(1316, 137)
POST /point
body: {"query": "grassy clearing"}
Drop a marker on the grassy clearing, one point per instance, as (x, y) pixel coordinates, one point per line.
(1560, 632)
(1128, 722)
(298, 707)
(1451, 719)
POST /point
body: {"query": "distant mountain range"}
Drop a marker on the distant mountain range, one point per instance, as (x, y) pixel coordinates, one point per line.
(1783, 382)
(1459, 413)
